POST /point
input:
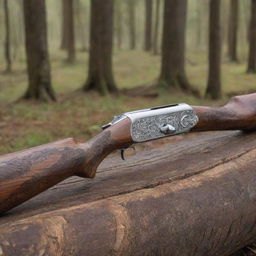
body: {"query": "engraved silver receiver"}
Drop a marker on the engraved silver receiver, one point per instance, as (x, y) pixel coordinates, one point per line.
(158, 122)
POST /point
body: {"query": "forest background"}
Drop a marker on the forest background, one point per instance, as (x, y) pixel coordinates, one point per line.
(195, 51)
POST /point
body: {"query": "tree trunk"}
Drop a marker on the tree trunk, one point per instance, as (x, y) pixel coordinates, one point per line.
(224, 14)
(119, 24)
(131, 23)
(148, 24)
(233, 30)
(252, 42)
(64, 40)
(198, 24)
(80, 12)
(100, 77)
(173, 46)
(197, 201)
(38, 66)
(70, 30)
(156, 28)
(214, 77)
(7, 44)
(247, 8)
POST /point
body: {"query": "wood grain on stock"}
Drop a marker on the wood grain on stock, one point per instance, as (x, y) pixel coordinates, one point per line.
(193, 197)
(29, 172)
(238, 114)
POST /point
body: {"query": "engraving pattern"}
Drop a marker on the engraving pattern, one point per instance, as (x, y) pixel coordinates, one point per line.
(148, 128)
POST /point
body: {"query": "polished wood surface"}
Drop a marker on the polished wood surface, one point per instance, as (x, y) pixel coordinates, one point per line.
(238, 114)
(29, 172)
(192, 195)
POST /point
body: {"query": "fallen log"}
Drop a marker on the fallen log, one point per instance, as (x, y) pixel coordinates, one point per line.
(194, 197)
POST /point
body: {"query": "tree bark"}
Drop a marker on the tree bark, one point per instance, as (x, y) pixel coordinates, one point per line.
(198, 24)
(173, 46)
(214, 76)
(252, 41)
(156, 28)
(100, 77)
(247, 9)
(197, 201)
(64, 40)
(131, 23)
(233, 30)
(38, 66)
(119, 24)
(148, 24)
(80, 12)
(7, 43)
(70, 31)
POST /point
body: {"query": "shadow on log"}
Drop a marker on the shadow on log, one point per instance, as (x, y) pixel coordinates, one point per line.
(195, 197)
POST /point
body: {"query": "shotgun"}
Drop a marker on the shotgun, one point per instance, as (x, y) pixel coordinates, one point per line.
(27, 173)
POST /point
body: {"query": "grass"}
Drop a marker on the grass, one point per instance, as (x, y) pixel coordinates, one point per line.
(81, 115)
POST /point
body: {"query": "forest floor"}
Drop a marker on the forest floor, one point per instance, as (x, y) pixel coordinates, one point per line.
(80, 115)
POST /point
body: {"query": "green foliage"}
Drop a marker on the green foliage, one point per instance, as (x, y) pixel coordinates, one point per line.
(81, 115)
(34, 138)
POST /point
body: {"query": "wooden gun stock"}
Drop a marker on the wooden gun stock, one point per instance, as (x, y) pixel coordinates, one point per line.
(238, 114)
(27, 173)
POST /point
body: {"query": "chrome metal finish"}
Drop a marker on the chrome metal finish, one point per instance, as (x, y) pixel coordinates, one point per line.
(167, 129)
(115, 120)
(158, 122)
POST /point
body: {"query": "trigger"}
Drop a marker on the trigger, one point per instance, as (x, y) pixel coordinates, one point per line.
(123, 150)
(122, 153)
